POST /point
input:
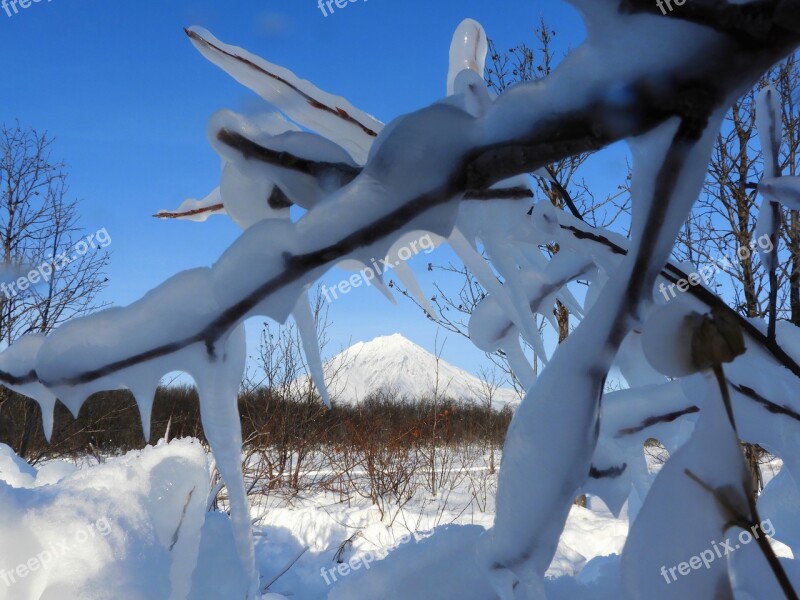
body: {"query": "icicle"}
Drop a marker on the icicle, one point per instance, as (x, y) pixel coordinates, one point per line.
(406, 277)
(501, 256)
(770, 128)
(597, 283)
(490, 330)
(477, 265)
(771, 187)
(767, 226)
(145, 395)
(519, 364)
(18, 359)
(357, 265)
(218, 387)
(548, 314)
(530, 259)
(379, 284)
(467, 51)
(48, 407)
(566, 265)
(71, 398)
(306, 325)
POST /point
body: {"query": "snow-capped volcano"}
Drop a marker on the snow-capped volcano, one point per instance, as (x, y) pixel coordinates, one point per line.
(396, 364)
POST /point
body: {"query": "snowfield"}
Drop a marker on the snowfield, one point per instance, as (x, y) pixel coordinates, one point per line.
(154, 503)
(131, 527)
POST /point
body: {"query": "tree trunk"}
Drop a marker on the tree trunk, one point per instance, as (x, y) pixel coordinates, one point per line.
(794, 248)
(29, 424)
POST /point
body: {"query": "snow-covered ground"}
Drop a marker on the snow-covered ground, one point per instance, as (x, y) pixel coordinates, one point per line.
(130, 528)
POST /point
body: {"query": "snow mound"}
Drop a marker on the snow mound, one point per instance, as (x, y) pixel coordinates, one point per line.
(126, 529)
(418, 570)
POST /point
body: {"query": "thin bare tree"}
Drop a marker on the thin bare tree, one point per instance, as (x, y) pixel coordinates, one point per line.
(39, 228)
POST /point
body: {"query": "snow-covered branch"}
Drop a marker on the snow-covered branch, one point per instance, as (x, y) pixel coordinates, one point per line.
(524, 130)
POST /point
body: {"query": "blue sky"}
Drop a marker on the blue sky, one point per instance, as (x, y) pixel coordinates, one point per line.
(127, 97)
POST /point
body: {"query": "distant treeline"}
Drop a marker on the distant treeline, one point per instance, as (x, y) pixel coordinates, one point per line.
(109, 422)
